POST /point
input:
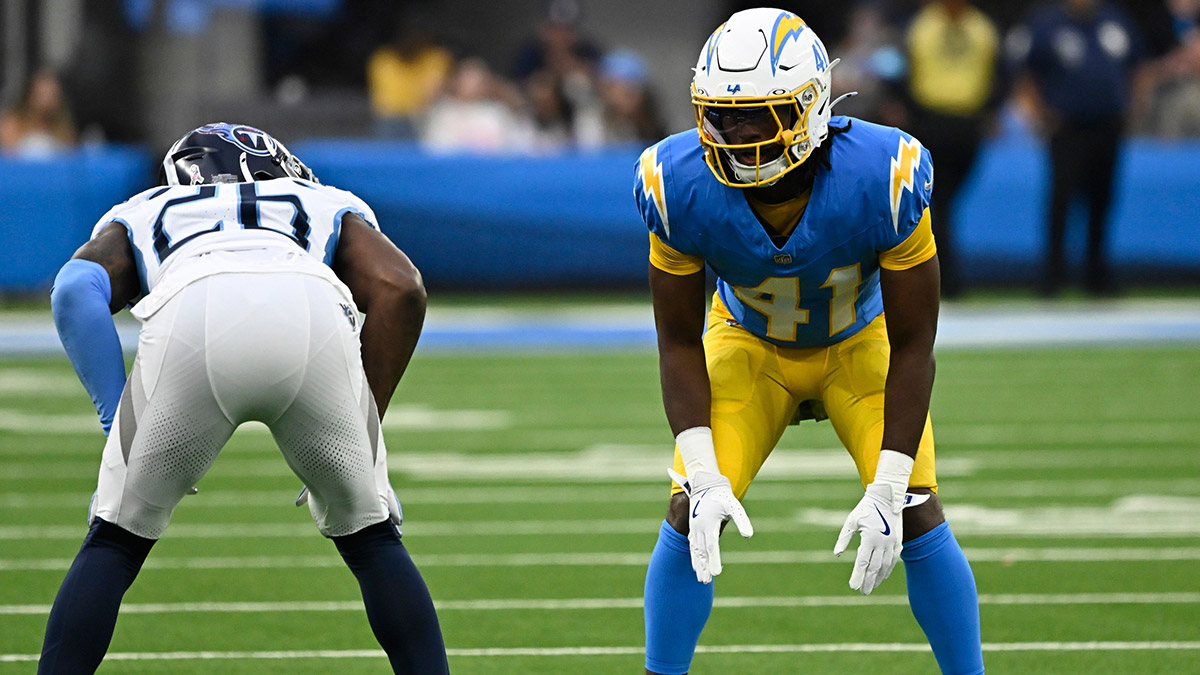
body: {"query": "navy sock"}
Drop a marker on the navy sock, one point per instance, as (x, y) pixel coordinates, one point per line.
(85, 610)
(941, 592)
(676, 605)
(397, 601)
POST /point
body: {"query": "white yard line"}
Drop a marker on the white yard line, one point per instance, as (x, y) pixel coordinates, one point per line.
(800, 492)
(1132, 516)
(583, 604)
(839, 647)
(623, 463)
(638, 559)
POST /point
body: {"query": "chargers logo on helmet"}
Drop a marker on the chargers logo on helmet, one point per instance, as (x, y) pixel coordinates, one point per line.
(787, 26)
(711, 47)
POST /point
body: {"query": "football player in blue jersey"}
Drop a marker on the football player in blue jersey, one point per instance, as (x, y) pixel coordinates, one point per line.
(817, 227)
(248, 276)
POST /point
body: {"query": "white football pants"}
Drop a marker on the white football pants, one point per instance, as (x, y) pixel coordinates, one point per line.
(280, 348)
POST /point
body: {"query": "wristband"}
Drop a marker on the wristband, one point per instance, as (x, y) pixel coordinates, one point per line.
(894, 470)
(696, 448)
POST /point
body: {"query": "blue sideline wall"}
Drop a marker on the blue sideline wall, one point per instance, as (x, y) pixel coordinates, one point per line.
(499, 223)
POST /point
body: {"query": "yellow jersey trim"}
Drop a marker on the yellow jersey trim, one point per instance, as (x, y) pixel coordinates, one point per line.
(671, 261)
(782, 217)
(916, 249)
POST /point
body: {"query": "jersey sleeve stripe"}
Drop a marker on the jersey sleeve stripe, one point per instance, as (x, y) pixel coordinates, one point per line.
(916, 249)
(671, 261)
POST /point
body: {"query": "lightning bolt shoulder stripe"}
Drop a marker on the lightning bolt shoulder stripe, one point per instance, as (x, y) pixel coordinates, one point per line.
(652, 185)
(904, 169)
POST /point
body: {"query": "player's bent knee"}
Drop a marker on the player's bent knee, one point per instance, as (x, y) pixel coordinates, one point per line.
(677, 513)
(924, 517)
(371, 535)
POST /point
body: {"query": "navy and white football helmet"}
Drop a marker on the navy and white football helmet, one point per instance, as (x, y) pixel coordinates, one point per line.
(229, 153)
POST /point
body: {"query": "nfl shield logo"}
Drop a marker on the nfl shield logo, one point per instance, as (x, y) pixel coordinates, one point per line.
(783, 258)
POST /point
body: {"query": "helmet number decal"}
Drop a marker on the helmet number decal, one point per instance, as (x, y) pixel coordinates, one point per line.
(819, 56)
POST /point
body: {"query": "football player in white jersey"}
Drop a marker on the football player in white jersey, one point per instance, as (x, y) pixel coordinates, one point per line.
(248, 277)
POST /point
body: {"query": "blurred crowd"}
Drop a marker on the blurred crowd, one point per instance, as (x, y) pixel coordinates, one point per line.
(1078, 74)
(40, 123)
(563, 91)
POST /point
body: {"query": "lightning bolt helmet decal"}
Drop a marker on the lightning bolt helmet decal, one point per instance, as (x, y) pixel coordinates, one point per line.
(787, 26)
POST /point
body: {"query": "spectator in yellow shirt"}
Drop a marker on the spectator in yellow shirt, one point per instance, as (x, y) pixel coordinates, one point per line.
(404, 78)
(952, 51)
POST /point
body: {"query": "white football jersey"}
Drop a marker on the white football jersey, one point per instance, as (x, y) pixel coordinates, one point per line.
(174, 227)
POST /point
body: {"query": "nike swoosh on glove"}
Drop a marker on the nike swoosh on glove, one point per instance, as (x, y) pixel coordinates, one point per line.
(880, 527)
(710, 504)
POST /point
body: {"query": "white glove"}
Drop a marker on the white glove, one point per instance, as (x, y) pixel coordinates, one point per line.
(710, 503)
(394, 513)
(878, 521)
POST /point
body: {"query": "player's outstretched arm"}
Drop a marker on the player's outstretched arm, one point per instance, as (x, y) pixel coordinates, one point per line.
(96, 282)
(388, 288)
(687, 397)
(910, 301)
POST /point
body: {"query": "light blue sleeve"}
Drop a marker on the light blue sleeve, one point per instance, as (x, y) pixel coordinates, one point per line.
(79, 301)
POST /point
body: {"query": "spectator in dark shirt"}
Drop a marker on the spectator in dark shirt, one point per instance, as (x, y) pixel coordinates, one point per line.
(1077, 61)
(630, 109)
(561, 58)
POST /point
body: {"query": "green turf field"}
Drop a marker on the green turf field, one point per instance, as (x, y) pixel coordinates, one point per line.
(532, 493)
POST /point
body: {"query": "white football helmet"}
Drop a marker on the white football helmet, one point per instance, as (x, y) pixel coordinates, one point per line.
(761, 91)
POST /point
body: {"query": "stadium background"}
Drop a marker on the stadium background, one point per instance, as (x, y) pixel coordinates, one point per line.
(528, 440)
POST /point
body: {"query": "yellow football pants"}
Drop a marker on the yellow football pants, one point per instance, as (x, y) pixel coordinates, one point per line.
(756, 387)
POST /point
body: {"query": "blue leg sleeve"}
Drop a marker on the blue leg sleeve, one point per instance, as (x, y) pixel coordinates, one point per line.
(398, 605)
(677, 606)
(941, 592)
(85, 611)
(79, 302)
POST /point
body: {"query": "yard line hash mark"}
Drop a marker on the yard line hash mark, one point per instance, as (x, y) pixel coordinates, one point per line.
(843, 647)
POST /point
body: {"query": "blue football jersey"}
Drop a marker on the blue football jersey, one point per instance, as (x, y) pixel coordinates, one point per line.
(822, 285)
